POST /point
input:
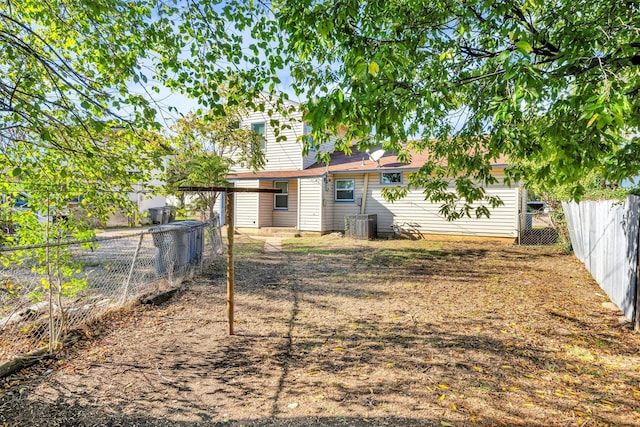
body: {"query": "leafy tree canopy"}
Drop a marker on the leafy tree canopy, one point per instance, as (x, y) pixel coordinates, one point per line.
(206, 148)
(78, 80)
(552, 84)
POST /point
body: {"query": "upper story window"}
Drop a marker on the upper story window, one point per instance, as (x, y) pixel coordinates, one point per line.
(308, 138)
(345, 190)
(261, 129)
(391, 178)
(281, 200)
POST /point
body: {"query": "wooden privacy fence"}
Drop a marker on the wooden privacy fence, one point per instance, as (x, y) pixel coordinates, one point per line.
(604, 236)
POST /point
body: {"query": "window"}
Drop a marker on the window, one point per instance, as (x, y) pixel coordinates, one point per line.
(281, 200)
(21, 201)
(75, 200)
(260, 129)
(391, 178)
(345, 190)
(308, 138)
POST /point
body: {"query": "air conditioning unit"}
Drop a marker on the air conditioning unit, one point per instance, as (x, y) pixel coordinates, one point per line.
(361, 226)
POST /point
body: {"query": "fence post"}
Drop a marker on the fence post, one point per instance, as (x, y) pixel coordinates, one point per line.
(202, 231)
(230, 266)
(133, 263)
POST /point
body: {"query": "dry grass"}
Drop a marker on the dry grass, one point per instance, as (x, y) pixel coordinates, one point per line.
(339, 332)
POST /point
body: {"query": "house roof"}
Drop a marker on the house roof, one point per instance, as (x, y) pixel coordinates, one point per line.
(359, 161)
(275, 175)
(356, 162)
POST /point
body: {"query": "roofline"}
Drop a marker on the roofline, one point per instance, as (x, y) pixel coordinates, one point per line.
(380, 170)
(264, 175)
(274, 178)
(396, 169)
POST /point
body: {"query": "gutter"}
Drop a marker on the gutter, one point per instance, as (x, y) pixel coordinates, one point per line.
(234, 178)
(393, 170)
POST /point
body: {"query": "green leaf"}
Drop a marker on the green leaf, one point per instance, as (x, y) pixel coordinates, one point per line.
(504, 55)
(374, 68)
(445, 55)
(593, 119)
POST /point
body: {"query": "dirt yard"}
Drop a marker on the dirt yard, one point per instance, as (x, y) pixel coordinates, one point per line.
(338, 332)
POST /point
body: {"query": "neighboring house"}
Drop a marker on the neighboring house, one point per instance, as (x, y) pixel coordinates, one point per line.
(140, 204)
(316, 198)
(141, 200)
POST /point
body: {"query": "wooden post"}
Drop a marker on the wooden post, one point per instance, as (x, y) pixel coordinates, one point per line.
(365, 190)
(229, 194)
(230, 267)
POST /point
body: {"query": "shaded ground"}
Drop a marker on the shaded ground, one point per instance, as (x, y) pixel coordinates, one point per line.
(338, 332)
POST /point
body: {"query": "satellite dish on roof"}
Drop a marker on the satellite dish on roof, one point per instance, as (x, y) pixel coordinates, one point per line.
(376, 156)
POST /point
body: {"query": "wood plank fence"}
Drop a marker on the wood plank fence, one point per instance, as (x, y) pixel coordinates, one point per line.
(604, 236)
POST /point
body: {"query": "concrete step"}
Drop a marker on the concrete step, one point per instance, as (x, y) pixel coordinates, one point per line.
(284, 232)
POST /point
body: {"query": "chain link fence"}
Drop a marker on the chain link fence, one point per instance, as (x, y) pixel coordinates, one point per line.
(48, 290)
(537, 228)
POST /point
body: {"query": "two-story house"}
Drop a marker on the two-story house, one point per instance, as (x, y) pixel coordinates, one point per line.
(316, 198)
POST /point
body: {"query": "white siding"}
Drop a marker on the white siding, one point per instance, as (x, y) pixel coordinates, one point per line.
(310, 158)
(266, 205)
(282, 155)
(289, 217)
(327, 206)
(341, 209)
(311, 204)
(143, 200)
(246, 206)
(424, 216)
(217, 207)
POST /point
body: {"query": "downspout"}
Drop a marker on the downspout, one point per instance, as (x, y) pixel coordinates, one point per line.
(299, 205)
(322, 209)
(365, 190)
(258, 206)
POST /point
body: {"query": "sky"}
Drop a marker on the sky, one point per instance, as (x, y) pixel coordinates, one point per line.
(166, 99)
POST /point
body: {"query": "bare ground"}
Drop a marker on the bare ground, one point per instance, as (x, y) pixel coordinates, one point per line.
(337, 332)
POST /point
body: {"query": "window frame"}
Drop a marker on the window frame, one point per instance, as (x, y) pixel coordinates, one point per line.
(276, 195)
(307, 130)
(263, 142)
(382, 180)
(336, 189)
